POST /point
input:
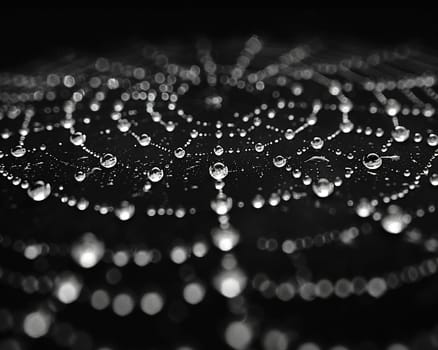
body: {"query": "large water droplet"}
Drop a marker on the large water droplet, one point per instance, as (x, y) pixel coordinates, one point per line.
(78, 138)
(434, 179)
(230, 283)
(225, 238)
(279, 161)
(155, 174)
(392, 107)
(144, 140)
(80, 176)
(323, 188)
(39, 190)
(432, 140)
(259, 147)
(345, 106)
(222, 204)
(372, 161)
(364, 208)
(125, 211)
(88, 250)
(289, 134)
(317, 142)
(218, 171)
(108, 160)
(67, 288)
(18, 151)
(396, 220)
(218, 150)
(400, 133)
(179, 153)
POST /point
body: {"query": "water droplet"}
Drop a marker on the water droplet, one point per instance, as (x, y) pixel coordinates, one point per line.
(147, 186)
(323, 188)
(87, 251)
(123, 125)
(434, 179)
(213, 102)
(67, 288)
(432, 140)
(179, 153)
(238, 335)
(317, 142)
(364, 208)
(80, 176)
(346, 126)
(335, 88)
(345, 106)
(155, 174)
(372, 161)
(218, 171)
(222, 204)
(78, 138)
(258, 201)
(37, 324)
(392, 107)
(400, 133)
(396, 220)
(108, 160)
(218, 150)
(18, 151)
(230, 283)
(289, 134)
(125, 211)
(225, 238)
(144, 140)
(259, 147)
(279, 161)
(39, 190)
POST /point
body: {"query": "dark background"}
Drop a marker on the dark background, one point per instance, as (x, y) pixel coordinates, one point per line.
(30, 33)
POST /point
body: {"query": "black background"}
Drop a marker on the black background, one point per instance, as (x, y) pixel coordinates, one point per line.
(30, 33)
